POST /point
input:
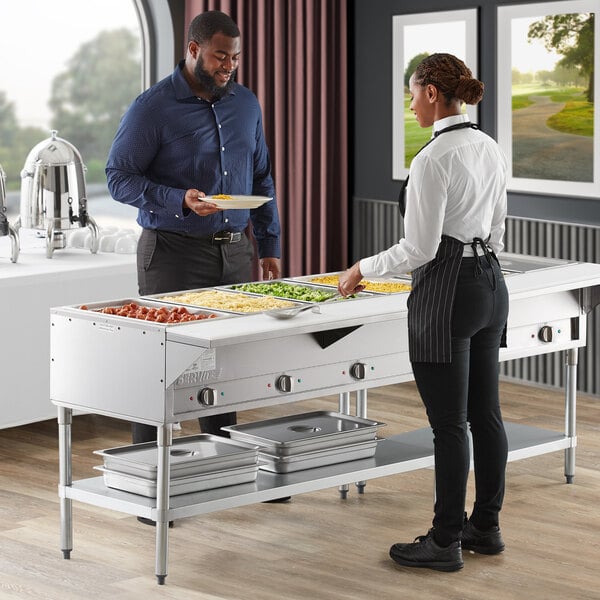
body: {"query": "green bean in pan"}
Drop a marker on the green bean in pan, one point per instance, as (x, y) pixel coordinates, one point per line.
(286, 290)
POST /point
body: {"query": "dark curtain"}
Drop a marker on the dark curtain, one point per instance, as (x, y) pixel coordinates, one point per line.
(294, 58)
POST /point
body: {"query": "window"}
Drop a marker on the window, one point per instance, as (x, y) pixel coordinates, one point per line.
(546, 110)
(73, 67)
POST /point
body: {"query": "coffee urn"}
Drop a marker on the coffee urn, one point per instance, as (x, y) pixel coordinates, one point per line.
(53, 194)
(5, 227)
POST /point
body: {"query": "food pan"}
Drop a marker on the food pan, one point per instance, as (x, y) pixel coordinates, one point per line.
(374, 285)
(147, 310)
(305, 432)
(290, 289)
(190, 455)
(182, 485)
(225, 300)
(319, 458)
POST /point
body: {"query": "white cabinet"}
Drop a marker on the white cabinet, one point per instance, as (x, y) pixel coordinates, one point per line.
(28, 289)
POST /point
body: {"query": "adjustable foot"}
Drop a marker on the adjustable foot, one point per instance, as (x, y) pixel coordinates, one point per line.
(343, 490)
(569, 478)
(161, 579)
(66, 554)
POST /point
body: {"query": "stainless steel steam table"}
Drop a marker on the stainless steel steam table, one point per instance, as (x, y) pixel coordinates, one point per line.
(158, 374)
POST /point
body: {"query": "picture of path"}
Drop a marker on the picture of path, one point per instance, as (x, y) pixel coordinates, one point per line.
(540, 152)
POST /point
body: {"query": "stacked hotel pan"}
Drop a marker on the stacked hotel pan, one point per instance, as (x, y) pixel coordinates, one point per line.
(308, 440)
(197, 463)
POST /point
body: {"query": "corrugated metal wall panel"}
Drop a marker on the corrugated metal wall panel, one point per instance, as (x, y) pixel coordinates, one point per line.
(376, 226)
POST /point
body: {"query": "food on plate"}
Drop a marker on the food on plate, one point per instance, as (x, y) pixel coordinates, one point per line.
(286, 290)
(178, 314)
(222, 197)
(228, 301)
(386, 287)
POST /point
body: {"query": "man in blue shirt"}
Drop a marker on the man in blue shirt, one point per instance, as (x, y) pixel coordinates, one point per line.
(193, 134)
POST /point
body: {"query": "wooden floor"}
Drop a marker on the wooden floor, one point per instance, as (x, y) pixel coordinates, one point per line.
(317, 546)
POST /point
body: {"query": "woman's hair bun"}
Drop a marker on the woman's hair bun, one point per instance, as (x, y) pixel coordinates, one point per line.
(469, 90)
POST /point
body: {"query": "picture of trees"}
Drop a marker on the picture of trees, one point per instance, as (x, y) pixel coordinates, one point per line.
(416, 36)
(546, 96)
(420, 41)
(553, 108)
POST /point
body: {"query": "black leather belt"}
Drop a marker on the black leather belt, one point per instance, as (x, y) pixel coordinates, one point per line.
(226, 237)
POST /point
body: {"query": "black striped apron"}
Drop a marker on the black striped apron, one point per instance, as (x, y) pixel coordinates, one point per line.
(431, 300)
(430, 304)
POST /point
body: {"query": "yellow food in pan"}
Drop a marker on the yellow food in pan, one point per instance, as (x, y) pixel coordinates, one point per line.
(385, 287)
(229, 301)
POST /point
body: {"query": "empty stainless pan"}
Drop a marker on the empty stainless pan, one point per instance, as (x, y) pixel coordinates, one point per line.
(180, 485)
(318, 458)
(305, 432)
(190, 455)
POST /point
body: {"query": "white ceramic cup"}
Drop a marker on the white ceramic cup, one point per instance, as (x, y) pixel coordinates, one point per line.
(126, 245)
(107, 242)
(77, 237)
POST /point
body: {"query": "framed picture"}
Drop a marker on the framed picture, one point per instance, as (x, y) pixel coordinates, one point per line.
(415, 37)
(546, 109)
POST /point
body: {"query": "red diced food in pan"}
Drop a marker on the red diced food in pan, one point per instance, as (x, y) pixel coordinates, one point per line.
(177, 314)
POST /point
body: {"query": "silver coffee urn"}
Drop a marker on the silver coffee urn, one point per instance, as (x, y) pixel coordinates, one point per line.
(5, 227)
(53, 194)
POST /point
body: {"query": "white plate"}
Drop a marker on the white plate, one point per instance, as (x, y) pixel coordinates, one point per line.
(238, 201)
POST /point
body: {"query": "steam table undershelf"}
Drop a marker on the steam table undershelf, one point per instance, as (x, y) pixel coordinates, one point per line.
(397, 454)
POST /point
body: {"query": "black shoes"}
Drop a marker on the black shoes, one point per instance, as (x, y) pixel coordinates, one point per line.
(482, 542)
(152, 523)
(424, 552)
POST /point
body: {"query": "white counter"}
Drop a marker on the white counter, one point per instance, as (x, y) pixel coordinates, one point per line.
(28, 289)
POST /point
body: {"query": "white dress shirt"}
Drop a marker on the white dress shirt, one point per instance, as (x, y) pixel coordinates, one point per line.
(457, 187)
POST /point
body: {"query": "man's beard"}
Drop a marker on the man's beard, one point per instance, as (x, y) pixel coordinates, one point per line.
(207, 82)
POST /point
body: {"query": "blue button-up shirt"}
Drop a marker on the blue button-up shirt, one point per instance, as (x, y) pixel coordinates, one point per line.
(170, 141)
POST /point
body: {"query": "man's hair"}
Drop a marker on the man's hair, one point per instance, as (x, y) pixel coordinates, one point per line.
(206, 24)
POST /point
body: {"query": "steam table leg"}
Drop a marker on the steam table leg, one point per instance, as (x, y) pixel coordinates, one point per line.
(164, 438)
(65, 479)
(344, 408)
(570, 410)
(361, 411)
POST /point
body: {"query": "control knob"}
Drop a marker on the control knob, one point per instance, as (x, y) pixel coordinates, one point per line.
(545, 333)
(207, 396)
(284, 383)
(357, 370)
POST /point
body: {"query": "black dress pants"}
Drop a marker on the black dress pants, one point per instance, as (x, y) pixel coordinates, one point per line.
(464, 393)
(171, 262)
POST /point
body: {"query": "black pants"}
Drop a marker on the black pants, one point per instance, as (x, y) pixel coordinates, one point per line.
(465, 393)
(170, 262)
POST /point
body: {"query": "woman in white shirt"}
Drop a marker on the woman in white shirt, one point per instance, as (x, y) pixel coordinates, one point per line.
(457, 310)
